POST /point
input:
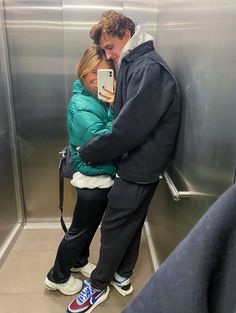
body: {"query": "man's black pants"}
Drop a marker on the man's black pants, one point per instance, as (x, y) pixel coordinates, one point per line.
(121, 230)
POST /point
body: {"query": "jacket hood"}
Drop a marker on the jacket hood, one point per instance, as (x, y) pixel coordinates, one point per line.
(139, 37)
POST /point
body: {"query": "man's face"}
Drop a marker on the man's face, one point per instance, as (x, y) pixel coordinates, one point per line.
(113, 45)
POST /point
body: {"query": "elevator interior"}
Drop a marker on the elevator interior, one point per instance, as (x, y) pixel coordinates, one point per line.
(40, 43)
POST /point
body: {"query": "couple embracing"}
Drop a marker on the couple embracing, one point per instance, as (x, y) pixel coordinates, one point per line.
(125, 144)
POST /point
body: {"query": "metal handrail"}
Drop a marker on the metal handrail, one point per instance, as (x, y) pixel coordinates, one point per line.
(178, 195)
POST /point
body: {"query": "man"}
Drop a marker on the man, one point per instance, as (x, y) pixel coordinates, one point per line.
(147, 116)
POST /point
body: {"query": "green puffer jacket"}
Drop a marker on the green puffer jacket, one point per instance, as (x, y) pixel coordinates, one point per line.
(87, 117)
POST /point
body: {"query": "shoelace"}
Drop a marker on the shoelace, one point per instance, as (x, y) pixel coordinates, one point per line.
(85, 294)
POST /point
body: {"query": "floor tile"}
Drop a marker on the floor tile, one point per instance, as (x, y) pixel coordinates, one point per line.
(33, 303)
(23, 273)
(38, 239)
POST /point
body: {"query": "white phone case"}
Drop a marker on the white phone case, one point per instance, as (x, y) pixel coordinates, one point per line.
(105, 78)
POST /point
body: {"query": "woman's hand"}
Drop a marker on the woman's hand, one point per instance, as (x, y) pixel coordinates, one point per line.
(108, 94)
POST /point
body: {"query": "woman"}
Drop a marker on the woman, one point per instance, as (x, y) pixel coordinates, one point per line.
(87, 117)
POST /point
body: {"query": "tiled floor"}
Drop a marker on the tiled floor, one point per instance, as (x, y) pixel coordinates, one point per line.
(23, 273)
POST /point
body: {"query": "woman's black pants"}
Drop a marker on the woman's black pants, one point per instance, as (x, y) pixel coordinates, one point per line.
(74, 247)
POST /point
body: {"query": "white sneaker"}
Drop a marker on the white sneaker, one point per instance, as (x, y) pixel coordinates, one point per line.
(70, 287)
(85, 270)
(122, 285)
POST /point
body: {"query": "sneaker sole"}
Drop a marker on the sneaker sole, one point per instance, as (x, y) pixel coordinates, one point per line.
(121, 291)
(52, 287)
(100, 300)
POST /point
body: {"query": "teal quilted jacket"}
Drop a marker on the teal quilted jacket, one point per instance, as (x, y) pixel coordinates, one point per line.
(87, 117)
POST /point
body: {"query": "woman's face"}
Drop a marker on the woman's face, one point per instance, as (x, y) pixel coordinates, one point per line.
(90, 79)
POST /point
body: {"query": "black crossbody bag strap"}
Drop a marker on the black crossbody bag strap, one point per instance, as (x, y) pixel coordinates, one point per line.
(61, 195)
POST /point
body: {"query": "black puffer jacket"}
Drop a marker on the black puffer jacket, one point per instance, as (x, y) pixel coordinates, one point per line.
(147, 116)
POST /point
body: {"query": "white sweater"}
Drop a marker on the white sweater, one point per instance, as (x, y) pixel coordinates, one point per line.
(91, 182)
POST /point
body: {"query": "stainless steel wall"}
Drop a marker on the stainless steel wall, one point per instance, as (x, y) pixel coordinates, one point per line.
(9, 187)
(35, 41)
(197, 38)
(143, 13)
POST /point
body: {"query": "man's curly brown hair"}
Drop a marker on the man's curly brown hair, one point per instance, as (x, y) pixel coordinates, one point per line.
(112, 23)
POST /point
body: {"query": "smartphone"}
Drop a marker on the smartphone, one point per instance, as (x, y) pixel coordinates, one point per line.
(105, 78)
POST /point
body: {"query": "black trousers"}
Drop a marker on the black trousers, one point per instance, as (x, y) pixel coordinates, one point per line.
(121, 230)
(74, 247)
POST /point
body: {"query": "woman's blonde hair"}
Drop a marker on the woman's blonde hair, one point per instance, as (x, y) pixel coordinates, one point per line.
(89, 60)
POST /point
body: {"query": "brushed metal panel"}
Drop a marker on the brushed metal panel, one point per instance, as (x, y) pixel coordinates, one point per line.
(35, 40)
(143, 13)
(45, 40)
(170, 221)
(198, 41)
(8, 207)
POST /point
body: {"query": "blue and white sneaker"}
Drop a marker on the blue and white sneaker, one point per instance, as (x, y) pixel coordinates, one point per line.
(88, 299)
(122, 285)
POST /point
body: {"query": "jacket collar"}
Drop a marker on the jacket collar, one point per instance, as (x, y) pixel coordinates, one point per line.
(78, 87)
(140, 50)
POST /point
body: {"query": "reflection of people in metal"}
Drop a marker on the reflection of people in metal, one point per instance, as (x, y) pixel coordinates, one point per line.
(147, 115)
(87, 117)
(200, 274)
